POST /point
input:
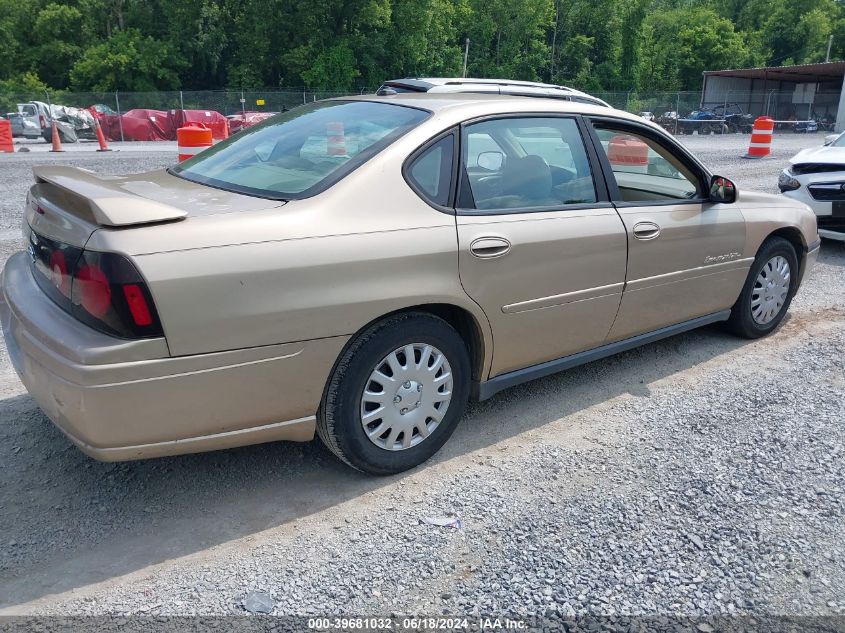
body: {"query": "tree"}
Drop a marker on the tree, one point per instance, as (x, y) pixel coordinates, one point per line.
(127, 61)
(508, 37)
(59, 42)
(594, 45)
(334, 69)
(587, 37)
(677, 45)
(798, 30)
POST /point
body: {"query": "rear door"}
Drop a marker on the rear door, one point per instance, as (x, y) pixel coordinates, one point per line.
(684, 252)
(541, 248)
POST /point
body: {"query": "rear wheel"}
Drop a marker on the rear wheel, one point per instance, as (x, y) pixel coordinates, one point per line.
(768, 290)
(396, 395)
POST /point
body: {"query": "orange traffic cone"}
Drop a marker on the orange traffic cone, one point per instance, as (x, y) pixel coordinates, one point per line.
(6, 142)
(57, 143)
(761, 137)
(100, 138)
(192, 139)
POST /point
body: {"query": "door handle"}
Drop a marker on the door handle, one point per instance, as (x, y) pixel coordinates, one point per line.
(646, 230)
(489, 247)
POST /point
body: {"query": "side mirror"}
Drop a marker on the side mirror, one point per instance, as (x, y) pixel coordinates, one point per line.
(491, 161)
(722, 190)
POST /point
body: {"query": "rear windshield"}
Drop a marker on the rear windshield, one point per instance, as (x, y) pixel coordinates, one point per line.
(299, 153)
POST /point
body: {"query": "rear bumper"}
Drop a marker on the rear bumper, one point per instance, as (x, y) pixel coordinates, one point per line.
(119, 400)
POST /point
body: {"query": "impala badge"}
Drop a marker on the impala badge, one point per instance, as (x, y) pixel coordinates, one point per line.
(715, 259)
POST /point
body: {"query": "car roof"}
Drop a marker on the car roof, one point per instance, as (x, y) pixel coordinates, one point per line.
(467, 105)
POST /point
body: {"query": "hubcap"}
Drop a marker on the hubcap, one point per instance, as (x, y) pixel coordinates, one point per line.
(770, 290)
(406, 396)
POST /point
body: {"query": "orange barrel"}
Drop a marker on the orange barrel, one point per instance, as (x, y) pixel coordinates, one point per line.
(628, 152)
(761, 137)
(335, 139)
(192, 139)
(6, 143)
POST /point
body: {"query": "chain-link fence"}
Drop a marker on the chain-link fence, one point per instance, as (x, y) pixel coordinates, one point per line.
(678, 112)
(785, 106)
(226, 102)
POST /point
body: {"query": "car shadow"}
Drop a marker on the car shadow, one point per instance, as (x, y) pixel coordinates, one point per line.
(68, 521)
(832, 253)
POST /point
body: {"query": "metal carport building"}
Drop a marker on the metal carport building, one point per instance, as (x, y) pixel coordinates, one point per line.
(783, 92)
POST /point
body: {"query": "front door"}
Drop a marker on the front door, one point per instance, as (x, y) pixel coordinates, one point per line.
(541, 248)
(684, 252)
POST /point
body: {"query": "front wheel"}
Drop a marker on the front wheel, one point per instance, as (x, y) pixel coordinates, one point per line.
(396, 394)
(768, 290)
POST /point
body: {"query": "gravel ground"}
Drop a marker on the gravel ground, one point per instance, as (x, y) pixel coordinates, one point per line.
(701, 475)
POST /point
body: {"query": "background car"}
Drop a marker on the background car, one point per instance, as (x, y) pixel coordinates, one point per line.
(816, 177)
(806, 127)
(488, 86)
(830, 138)
(24, 126)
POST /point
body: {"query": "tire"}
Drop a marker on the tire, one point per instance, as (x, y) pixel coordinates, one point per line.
(340, 419)
(750, 315)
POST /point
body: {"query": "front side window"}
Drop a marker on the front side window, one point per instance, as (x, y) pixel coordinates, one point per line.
(431, 171)
(646, 171)
(300, 152)
(526, 163)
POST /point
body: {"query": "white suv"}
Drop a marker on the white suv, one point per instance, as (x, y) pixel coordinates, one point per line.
(816, 177)
(492, 86)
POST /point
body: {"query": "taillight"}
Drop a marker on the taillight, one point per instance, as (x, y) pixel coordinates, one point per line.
(103, 290)
(110, 295)
(59, 274)
(43, 121)
(92, 289)
(137, 303)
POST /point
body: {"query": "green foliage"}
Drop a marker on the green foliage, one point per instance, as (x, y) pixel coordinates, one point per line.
(126, 61)
(507, 39)
(618, 45)
(678, 44)
(334, 69)
(23, 84)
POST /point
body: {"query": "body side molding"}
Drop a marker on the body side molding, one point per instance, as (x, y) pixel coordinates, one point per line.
(489, 388)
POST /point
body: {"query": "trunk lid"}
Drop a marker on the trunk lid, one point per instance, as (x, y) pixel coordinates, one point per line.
(69, 203)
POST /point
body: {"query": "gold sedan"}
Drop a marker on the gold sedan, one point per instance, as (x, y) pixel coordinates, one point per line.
(361, 267)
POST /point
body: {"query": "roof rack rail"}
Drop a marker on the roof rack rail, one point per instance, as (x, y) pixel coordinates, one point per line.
(488, 86)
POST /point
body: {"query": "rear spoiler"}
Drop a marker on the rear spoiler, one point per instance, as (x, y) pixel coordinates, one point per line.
(110, 204)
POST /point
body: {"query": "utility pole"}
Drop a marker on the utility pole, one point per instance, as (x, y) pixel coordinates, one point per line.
(829, 43)
(466, 55)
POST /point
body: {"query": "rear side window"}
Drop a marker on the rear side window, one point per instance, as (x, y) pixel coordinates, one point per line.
(526, 163)
(431, 172)
(301, 152)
